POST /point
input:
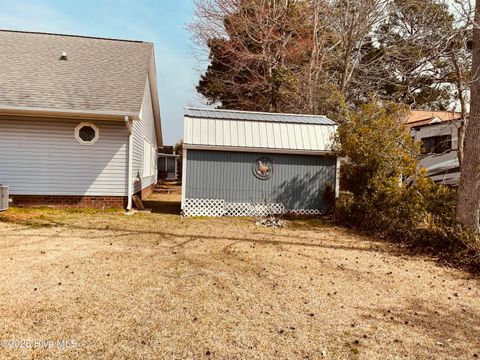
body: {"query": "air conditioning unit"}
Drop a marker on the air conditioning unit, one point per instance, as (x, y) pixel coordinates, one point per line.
(3, 197)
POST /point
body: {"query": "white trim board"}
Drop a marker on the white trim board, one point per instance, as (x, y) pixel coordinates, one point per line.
(255, 150)
(70, 113)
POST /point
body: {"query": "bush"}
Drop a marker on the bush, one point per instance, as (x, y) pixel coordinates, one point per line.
(428, 225)
(386, 195)
(329, 195)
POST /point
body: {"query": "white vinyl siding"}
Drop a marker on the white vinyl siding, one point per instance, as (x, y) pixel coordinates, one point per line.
(42, 157)
(149, 155)
(144, 131)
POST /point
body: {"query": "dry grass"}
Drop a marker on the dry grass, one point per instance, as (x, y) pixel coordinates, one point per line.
(155, 285)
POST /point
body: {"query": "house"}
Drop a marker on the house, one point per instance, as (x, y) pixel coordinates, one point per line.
(439, 132)
(79, 119)
(425, 117)
(168, 164)
(250, 163)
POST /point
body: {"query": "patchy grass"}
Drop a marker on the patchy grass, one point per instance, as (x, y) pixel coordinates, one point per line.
(48, 216)
(154, 285)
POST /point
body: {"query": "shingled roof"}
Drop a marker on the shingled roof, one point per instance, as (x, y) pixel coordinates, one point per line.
(98, 75)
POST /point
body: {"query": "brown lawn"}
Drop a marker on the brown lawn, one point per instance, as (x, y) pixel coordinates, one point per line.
(154, 286)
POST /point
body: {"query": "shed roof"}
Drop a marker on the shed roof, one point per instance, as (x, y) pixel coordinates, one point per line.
(99, 75)
(254, 131)
(257, 116)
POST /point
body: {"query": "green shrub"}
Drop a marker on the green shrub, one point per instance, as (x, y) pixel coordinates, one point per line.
(387, 195)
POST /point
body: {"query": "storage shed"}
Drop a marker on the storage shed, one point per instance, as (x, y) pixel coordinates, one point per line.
(249, 163)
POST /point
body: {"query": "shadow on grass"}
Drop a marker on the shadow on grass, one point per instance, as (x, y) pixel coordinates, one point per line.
(47, 218)
(179, 241)
(163, 207)
(434, 320)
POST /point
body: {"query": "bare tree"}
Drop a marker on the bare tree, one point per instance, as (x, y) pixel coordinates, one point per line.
(312, 55)
(461, 63)
(459, 57)
(319, 39)
(354, 21)
(255, 51)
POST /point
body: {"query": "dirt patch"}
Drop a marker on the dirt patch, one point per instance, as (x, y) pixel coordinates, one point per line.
(155, 285)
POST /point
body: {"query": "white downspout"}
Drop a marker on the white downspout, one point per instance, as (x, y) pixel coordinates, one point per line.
(184, 177)
(129, 170)
(337, 178)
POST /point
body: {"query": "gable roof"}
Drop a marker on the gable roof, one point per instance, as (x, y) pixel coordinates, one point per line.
(99, 75)
(424, 117)
(257, 116)
(228, 130)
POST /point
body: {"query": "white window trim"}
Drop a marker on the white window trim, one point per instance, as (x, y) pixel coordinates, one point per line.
(149, 159)
(77, 133)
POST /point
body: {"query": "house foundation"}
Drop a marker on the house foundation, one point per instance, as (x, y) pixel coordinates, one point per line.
(60, 201)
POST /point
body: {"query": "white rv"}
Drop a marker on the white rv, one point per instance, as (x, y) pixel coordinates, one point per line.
(440, 147)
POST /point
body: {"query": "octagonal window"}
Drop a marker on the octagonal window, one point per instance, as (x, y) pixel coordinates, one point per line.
(87, 133)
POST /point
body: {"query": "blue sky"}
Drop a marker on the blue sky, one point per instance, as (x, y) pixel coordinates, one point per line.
(161, 22)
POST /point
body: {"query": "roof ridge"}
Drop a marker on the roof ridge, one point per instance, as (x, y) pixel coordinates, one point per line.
(237, 115)
(73, 35)
(254, 112)
(436, 111)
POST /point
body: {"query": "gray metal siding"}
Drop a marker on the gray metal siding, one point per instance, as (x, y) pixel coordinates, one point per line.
(144, 128)
(42, 157)
(297, 181)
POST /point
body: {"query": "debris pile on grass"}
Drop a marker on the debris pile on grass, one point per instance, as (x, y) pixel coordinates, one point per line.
(271, 221)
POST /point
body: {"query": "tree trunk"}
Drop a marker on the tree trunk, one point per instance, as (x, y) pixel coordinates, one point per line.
(460, 84)
(468, 208)
(313, 59)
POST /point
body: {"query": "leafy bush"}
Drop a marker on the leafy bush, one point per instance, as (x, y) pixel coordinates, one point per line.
(386, 194)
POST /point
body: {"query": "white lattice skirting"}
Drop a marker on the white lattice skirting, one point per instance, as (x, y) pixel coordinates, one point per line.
(218, 207)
